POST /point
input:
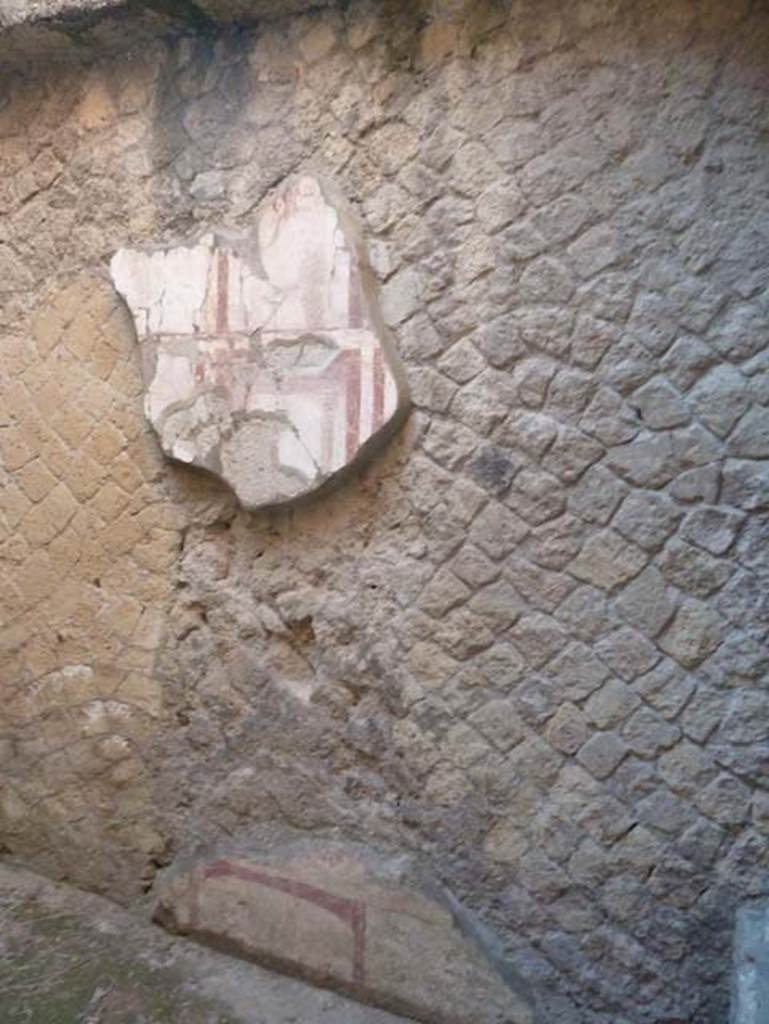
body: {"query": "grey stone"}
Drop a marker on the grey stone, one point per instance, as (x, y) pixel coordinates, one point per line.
(590, 339)
(686, 768)
(532, 432)
(751, 548)
(536, 496)
(605, 819)
(703, 713)
(700, 484)
(611, 704)
(746, 484)
(493, 468)
(596, 495)
(606, 560)
(500, 723)
(444, 592)
(666, 687)
(473, 567)
(712, 528)
(738, 332)
(553, 545)
(700, 842)
(588, 865)
(610, 418)
(532, 378)
(720, 398)
(635, 779)
(646, 461)
(401, 296)
(750, 438)
(651, 322)
(647, 603)
(628, 652)
(499, 342)
(569, 393)
(674, 881)
(576, 671)
(687, 360)
(750, 763)
(449, 443)
(567, 730)
(538, 637)
(498, 605)
(432, 391)
(744, 599)
(747, 718)
(693, 570)
(543, 326)
(499, 205)
(562, 219)
(497, 530)
(695, 446)
(695, 633)
(572, 453)
(637, 852)
(544, 878)
(462, 362)
(534, 759)
(587, 612)
(666, 812)
(742, 658)
(545, 280)
(602, 754)
(725, 800)
(646, 734)
(660, 405)
(647, 518)
(543, 591)
(627, 365)
(593, 251)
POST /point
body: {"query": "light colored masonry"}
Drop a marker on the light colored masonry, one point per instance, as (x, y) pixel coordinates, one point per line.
(264, 362)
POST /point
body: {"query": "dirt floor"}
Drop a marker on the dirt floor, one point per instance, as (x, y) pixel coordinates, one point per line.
(67, 957)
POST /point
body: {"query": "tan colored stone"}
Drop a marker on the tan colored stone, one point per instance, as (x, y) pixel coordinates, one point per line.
(438, 41)
(35, 479)
(96, 109)
(506, 842)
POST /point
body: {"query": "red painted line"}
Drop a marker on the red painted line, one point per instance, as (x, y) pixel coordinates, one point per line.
(222, 292)
(352, 403)
(379, 386)
(350, 912)
(327, 430)
(359, 943)
(354, 299)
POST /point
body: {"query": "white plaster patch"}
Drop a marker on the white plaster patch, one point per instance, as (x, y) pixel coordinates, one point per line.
(268, 364)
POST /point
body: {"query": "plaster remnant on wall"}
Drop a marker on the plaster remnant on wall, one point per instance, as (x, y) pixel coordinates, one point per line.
(348, 917)
(265, 359)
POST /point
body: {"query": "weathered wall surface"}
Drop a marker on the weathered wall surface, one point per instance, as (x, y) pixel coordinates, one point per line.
(531, 640)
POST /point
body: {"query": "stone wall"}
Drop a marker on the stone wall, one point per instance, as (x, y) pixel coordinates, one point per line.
(530, 640)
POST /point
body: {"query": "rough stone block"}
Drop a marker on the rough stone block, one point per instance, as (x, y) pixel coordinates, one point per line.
(348, 918)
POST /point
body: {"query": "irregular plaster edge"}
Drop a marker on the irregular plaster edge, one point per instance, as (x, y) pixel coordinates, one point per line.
(377, 442)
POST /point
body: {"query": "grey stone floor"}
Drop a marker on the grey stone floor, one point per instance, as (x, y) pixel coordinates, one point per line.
(67, 957)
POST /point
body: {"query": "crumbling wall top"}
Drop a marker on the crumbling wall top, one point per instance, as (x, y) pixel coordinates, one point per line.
(67, 29)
